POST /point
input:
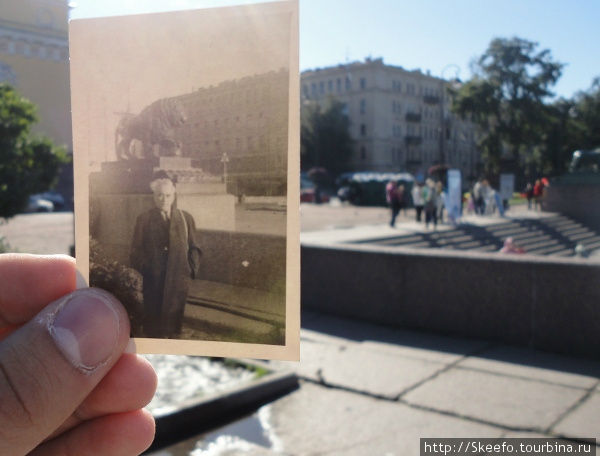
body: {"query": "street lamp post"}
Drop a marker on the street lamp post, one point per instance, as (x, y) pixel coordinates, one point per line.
(443, 118)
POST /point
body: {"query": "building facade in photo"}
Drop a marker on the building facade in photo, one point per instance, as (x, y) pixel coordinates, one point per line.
(240, 128)
(400, 119)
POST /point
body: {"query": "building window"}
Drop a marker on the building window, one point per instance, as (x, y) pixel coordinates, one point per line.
(338, 84)
(348, 83)
(321, 87)
(314, 88)
(363, 130)
(363, 153)
(363, 106)
(330, 86)
(363, 83)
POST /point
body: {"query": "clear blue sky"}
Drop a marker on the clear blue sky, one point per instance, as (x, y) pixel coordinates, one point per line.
(441, 36)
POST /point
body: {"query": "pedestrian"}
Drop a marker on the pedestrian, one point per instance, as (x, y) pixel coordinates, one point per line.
(440, 201)
(393, 200)
(401, 195)
(418, 201)
(405, 199)
(430, 197)
(486, 192)
(478, 199)
(538, 191)
(164, 251)
(510, 247)
(528, 194)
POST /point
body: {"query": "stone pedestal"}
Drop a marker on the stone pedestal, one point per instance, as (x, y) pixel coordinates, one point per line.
(121, 191)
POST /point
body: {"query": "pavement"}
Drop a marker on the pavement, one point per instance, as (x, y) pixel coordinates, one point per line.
(366, 389)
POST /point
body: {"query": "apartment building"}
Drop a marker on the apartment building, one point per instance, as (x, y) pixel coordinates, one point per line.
(400, 119)
(34, 57)
(241, 124)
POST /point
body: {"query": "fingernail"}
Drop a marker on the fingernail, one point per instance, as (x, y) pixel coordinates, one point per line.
(85, 329)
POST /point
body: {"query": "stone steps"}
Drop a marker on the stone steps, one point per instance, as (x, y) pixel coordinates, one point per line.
(556, 235)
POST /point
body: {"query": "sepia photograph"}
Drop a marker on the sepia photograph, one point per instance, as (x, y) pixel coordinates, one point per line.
(186, 157)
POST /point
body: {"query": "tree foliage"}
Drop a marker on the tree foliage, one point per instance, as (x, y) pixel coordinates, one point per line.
(585, 116)
(506, 99)
(325, 136)
(28, 164)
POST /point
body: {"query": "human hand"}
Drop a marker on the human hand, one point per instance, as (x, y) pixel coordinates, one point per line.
(65, 385)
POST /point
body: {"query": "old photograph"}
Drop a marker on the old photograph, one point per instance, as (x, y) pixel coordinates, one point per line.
(186, 146)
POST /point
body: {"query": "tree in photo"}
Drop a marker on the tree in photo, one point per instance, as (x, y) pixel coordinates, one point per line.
(325, 136)
(28, 165)
(506, 98)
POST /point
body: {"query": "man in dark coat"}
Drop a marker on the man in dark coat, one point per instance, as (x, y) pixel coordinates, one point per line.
(165, 252)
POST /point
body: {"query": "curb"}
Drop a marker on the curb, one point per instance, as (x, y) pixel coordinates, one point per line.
(198, 416)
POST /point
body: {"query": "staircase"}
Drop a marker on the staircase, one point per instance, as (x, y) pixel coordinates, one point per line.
(556, 235)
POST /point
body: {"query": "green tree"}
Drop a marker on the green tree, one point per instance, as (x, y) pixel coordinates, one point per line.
(585, 115)
(28, 164)
(506, 99)
(325, 136)
(572, 124)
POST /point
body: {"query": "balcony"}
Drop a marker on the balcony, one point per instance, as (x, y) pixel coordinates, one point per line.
(431, 99)
(413, 140)
(413, 117)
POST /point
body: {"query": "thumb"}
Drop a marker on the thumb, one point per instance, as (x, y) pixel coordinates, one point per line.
(49, 365)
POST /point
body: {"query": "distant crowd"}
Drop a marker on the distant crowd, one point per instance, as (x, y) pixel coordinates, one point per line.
(429, 199)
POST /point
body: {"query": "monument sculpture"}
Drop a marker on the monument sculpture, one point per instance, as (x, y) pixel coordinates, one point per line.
(144, 144)
(152, 128)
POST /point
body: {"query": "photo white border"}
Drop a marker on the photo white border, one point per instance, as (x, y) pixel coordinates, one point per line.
(291, 349)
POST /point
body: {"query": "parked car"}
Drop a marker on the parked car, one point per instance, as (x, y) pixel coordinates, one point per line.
(57, 199)
(367, 188)
(39, 204)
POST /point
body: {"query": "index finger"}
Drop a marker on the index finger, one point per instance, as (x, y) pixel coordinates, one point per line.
(29, 282)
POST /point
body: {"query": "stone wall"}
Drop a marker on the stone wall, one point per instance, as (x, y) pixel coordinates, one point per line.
(580, 201)
(243, 259)
(549, 304)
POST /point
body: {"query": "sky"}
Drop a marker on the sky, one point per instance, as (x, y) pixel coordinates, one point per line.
(439, 36)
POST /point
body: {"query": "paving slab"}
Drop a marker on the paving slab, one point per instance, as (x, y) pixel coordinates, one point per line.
(583, 421)
(546, 367)
(356, 368)
(317, 420)
(410, 344)
(502, 400)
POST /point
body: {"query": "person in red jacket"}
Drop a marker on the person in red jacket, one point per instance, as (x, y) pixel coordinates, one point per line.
(538, 192)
